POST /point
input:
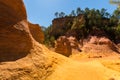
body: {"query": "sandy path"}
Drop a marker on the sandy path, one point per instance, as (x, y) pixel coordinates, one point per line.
(92, 70)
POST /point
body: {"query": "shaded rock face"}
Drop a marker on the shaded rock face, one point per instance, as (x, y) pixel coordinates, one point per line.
(118, 45)
(36, 32)
(63, 24)
(98, 33)
(67, 45)
(15, 39)
(62, 46)
(11, 12)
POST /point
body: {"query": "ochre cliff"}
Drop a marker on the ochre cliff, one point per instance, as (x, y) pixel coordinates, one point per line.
(63, 24)
(14, 12)
(36, 32)
(15, 39)
(100, 47)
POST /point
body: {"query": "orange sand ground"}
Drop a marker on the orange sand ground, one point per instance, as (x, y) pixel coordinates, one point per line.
(88, 69)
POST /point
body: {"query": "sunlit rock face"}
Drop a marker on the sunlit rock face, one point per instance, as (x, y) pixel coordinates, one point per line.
(15, 38)
(36, 32)
(100, 46)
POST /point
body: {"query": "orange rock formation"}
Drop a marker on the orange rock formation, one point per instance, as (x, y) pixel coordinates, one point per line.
(15, 38)
(36, 32)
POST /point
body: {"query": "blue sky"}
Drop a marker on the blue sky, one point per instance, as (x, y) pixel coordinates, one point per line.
(42, 11)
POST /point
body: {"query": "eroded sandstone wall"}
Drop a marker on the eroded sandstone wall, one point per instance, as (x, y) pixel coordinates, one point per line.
(15, 38)
(36, 32)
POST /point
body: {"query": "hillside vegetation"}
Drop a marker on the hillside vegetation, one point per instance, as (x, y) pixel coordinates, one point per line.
(82, 23)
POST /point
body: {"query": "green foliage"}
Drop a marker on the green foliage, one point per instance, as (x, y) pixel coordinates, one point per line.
(77, 24)
(49, 40)
(117, 31)
(79, 11)
(73, 13)
(59, 15)
(117, 14)
(62, 14)
(56, 14)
